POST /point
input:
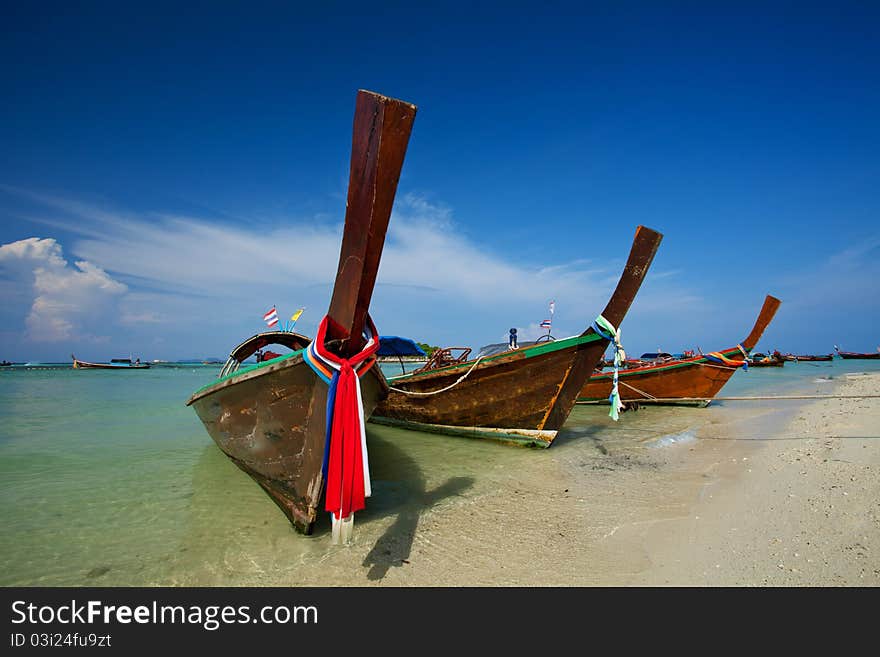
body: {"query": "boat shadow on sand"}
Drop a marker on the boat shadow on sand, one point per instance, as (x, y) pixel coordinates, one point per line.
(399, 487)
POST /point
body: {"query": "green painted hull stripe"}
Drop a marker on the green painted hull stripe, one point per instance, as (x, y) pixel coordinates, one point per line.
(249, 368)
(637, 372)
(530, 352)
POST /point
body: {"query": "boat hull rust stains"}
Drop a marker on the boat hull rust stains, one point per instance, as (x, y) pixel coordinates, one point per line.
(511, 393)
(273, 427)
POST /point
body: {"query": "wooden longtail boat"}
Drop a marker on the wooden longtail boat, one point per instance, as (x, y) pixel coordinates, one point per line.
(114, 364)
(689, 381)
(521, 396)
(853, 355)
(270, 418)
(766, 360)
(794, 358)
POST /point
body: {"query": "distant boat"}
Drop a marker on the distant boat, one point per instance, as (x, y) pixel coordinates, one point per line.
(691, 381)
(763, 360)
(114, 364)
(853, 355)
(5, 363)
(795, 358)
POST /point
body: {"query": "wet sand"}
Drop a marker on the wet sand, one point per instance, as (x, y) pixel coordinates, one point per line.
(784, 493)
(801, 508)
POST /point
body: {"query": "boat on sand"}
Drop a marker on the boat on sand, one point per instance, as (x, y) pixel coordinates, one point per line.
(688, 381)
(520, 396)
(271, 419)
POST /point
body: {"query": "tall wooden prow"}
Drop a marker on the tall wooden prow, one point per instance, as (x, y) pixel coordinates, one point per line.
(381, 133)
(768, 310)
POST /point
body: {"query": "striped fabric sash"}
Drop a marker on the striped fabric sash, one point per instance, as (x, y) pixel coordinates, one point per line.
(606, 329)
(346, 465)
(718, 357)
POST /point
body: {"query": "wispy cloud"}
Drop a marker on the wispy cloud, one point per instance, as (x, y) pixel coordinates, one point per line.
(180, 274)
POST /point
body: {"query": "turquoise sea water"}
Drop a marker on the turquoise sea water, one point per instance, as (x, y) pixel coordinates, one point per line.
(106, 478)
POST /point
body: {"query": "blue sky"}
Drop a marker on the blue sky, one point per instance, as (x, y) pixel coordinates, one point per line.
(168, 174)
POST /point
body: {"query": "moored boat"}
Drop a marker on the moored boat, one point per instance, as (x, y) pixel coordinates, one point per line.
(687, 381)
(114, 364)
(271, 419)
(766, 360)
(523, 395)
(854, 355)
(795, 358)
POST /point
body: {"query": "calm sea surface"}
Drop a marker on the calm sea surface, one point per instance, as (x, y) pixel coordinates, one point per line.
(106, 478)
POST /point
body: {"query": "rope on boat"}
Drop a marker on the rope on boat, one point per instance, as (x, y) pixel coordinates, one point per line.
(437, 392)
(764, 398)
(641, 392)
(789, 437)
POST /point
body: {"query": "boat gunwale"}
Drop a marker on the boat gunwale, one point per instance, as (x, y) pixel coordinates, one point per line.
(659, 367)
(528, 352)
(249, 372)
(253, 371)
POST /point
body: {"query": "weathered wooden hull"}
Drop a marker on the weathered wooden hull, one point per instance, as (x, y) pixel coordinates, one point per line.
(516, 397)
(522, 396)
(271, 421)
(848, 355)
(690, 381)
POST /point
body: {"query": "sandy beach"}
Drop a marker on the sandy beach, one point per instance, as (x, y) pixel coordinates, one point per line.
(751, 493)
(801, 508)
(797, 504)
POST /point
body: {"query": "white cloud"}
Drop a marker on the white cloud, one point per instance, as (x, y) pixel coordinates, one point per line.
(188, 274)
(67, 302)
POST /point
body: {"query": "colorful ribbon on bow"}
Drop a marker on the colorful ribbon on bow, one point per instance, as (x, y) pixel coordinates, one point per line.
(346, 465)
(606, 329)
(718, 357)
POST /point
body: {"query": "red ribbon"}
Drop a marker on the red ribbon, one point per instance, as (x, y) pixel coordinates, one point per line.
(345, 469)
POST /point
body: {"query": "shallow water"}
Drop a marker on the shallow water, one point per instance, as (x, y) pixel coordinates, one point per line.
(106, 478)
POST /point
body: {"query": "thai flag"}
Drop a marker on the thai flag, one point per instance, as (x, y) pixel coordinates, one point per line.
(545, 324)
(271, 318)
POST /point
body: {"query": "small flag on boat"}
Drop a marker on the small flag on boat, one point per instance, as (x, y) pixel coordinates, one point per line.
(295, 316)
(552, 308)
(546, 324)
(271, 318)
